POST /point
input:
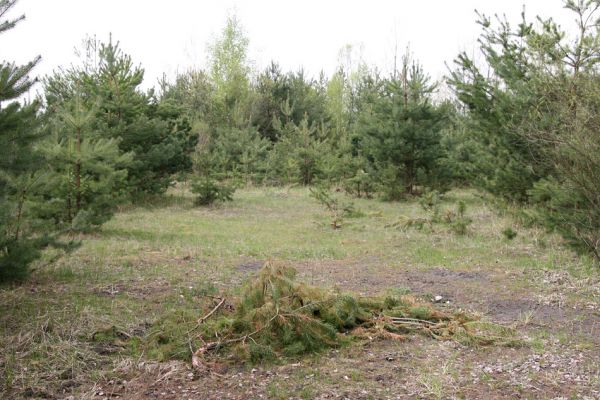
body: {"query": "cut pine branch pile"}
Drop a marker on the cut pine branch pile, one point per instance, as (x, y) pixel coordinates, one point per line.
(276, 315)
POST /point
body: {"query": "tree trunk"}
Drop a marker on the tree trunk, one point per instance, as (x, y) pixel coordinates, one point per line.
(410, 178)
(20, 214)
(78, 171)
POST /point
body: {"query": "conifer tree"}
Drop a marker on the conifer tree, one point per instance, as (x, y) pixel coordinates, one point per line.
(161, 141)
(496, 104)
(153, 130)
(535, 117)
(307, 98)
(272, 93)
(402, 132)
(193, 91)
(297, 156)
(19, 164)
(290, 97)
(237, 152)
(87, 172)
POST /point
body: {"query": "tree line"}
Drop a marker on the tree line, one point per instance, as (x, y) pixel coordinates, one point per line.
(522, 124)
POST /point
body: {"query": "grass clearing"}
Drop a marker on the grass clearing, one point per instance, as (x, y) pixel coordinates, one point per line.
(120, 307)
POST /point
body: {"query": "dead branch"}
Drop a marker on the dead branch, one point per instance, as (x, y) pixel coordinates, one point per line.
(409, 321)
(214, 310)
(196, 357)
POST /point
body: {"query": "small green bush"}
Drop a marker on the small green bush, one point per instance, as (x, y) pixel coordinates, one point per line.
(339, 210)
(456, 220)
(211, 191)
(430, 200)
(509, 233)
(459, 224)
(360, 185)
(15, 260)
(460, 227)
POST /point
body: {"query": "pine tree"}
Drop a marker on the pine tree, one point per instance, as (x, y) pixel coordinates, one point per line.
(307, 99)
(564, 124)
(87, 172)
(194, 92)
(234, 153)
(496, 104)
(19, 164)
(535, 118)
(271, 91)
(290, 97)
(402, 133)
(153, 130)
(297, 156)
(161, 141)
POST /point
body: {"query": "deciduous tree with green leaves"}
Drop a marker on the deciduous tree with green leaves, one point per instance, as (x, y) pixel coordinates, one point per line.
(229, 71)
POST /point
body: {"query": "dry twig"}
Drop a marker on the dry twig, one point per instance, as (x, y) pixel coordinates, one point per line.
(207, 316)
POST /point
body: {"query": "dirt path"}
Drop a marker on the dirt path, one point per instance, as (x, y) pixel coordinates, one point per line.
(549, 299)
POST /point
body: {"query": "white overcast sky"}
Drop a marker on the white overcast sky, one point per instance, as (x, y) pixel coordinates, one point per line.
(171, 36)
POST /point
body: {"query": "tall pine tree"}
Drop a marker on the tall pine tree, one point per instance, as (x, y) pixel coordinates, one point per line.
(154, 131)
(87, 172)
(19, 164)
(402, 133)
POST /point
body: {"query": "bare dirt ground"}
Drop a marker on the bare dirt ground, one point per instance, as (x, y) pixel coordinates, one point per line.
(556, 314)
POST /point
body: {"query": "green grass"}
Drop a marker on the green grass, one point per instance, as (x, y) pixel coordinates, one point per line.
(147, 273)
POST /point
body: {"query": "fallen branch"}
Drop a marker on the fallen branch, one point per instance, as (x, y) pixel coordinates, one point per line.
(214, 310)
(276, 314)
(196, 357)
(412, 321)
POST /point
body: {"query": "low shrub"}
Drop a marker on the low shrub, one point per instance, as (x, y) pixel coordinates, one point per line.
(210, 191)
